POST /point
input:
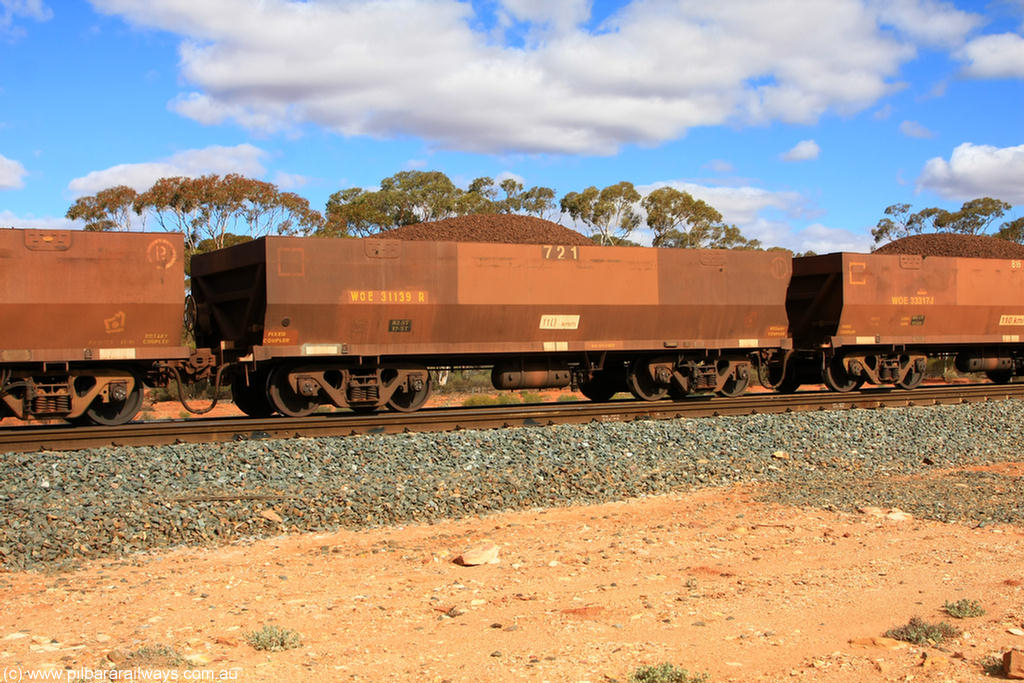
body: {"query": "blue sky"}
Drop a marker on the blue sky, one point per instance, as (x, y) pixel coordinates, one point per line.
(800, 120)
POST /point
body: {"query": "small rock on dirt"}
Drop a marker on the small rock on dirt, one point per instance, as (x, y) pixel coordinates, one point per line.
(878, 642)
(482, 554)
(271, 515)
(1013, 664)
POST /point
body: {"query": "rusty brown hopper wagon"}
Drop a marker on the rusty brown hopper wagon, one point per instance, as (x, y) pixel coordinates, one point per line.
(358, 323)
(83, 316)
(878, 318)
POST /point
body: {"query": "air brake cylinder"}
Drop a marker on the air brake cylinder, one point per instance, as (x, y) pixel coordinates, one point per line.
(969, 362)
(522, 373)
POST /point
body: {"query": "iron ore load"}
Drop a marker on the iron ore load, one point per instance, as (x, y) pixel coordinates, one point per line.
(88, 319)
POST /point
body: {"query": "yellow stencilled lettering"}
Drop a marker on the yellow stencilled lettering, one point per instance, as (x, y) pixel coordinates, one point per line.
(387, 296)
(913, 300)
(155, 339)
(277, 337)
(560, 252)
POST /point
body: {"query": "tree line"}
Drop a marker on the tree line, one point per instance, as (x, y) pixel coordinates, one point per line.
(215, 211)
(975, 217)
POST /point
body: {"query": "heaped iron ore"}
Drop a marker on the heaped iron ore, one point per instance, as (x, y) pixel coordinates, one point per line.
(953, 244)
(488, 227)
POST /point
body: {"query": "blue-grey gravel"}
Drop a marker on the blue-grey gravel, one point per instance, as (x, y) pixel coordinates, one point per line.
(59, 507)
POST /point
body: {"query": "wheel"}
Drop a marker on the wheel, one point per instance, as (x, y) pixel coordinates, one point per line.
(912, 380)
(284, 399)
(783, 381)
(406, 400)
(837, 378)
(252, 399)
(113, 413)
(999, 376)
(677, 390)
(641, 384)
(788, 385)
(599, 389)
(736, 384)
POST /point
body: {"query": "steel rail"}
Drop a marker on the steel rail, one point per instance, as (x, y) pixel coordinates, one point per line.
(62, 438)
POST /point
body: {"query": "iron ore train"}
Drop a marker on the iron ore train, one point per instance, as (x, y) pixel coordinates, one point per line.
(88, 319)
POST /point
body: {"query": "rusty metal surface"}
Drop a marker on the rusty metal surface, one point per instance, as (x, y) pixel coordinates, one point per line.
(385, 298)
(859, 299)
(68, 295)
(57, 438)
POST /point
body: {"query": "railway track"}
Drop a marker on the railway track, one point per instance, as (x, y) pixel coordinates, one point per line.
(61, 438)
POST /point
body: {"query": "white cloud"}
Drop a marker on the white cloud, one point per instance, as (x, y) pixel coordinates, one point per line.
(823, 240)
(756, 211)
(720, 166)
(977, 171)
(883, 112)
(290, 181)
(560, 15)
(740, 205)
(14, 9)
(12, 174)
(913, 129)
(805, 150)
(9, 220)
(927, 21)
(244, 159)
(994, 56)
(389, 68)
(509, 175)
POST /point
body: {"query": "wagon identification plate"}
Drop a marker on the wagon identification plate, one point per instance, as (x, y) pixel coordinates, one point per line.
(559, 322)
(400, 325)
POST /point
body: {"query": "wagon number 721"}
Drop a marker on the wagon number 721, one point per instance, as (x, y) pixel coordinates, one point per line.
(560, 252)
